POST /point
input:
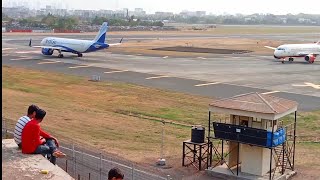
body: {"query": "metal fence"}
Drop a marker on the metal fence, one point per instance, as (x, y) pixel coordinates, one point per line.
(88, 166)
(85, 166)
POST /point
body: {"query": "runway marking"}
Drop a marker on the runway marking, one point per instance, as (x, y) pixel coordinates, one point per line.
(138, 54)
(307, 84)
(21, 58)
(49, 62)
(270, 92)
(3, 49)
(26, 52)
(206, 84)
(157, 77)
(82, 66)
(109, 72)
(165, 57)
(5, 54)
(201, 58)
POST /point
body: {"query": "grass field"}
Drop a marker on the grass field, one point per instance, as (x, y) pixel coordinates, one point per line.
(124, 119)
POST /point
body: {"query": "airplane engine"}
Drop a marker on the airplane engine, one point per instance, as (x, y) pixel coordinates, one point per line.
(47, 51)
(309, 58)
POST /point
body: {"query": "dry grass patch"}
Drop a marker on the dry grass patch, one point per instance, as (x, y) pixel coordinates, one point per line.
(88, 112)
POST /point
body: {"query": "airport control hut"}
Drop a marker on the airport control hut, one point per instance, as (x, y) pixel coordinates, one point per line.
(255, 141)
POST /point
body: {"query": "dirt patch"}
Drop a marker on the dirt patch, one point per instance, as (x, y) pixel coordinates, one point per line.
(160, 47)
(202, 50)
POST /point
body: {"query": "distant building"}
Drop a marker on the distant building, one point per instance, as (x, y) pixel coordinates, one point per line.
(138, 12)
(284, 20)
(186, 13)
(200, 13)
(17, 12)
(105, 13)
(304, 20)
(163, 14)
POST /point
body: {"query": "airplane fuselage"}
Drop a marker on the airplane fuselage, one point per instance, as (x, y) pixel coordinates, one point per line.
(297, 50)
(76, 46)
(73, 45)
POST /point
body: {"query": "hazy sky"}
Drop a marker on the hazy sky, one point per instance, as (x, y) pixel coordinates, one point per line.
(214, 6)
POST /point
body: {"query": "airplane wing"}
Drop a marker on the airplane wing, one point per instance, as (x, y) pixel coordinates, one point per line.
(116, 44)
(48, 47)
(270, 47)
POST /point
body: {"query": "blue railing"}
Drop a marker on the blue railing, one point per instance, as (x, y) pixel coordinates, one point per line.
(248, 135)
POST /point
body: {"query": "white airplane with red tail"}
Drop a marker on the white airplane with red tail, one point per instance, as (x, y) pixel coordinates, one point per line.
(308, 51)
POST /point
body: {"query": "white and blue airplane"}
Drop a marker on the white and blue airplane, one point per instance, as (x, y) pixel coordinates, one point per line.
(75, 46)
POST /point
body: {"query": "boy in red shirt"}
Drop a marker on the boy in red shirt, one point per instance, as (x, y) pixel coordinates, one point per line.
(32, 143)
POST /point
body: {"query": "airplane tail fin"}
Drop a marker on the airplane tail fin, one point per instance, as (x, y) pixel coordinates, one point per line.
(101, 36)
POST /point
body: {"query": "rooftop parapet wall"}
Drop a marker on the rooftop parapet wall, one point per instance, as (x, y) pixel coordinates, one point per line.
(16, 165)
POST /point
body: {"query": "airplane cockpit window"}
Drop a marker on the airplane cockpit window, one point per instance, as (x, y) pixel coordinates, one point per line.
(280, 49)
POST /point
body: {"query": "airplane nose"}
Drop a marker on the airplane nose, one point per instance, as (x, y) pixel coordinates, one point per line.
(276, 55)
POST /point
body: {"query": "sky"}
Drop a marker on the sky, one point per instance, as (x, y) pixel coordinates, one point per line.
(211, 6)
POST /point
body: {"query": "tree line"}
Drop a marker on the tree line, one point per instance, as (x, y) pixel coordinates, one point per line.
(71, 22)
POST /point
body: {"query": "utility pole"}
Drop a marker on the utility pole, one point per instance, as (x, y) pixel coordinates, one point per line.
(162, 161)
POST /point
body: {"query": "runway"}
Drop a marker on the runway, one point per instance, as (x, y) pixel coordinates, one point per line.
(218, 77)
(303, 37)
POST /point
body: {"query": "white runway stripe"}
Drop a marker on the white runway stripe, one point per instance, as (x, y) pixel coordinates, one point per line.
(21, 58)
(3, 49)
(109, 72)
(308, 84)
(157, 77)
(82, 66)
(26, 52)
(270, 92)
(49, 62)
(207, 84)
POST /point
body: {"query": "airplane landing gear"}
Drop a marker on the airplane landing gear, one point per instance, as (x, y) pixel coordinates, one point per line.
(282, 61)
(60, 55)
(291, 59)
(80, 55)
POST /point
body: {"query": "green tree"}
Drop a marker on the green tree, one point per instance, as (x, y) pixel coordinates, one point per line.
(49, 20)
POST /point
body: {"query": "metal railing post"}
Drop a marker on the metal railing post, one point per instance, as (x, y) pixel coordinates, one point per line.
(100, 170)
(132, 173)
(66, 165)
(74, 160)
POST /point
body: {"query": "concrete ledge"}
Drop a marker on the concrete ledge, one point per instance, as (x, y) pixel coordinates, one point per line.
(223, 173)
(16, 165)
